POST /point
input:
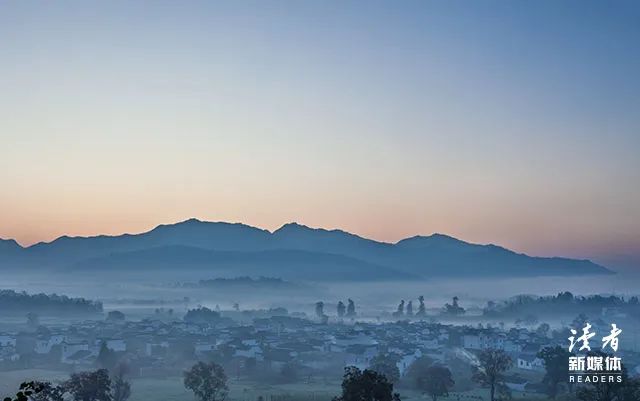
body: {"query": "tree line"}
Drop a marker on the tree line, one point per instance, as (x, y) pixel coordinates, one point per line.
(564, 301)
(11, 300)
(208, 381)
(98, 385)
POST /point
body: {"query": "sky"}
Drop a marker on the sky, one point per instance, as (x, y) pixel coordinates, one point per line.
(508, 122)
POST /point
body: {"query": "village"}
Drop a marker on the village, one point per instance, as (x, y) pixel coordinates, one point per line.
(278, 348)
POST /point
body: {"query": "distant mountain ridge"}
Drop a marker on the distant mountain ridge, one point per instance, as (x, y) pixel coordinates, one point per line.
(294, 250)
(289, 263)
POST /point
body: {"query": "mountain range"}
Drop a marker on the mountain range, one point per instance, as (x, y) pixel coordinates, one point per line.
(292, 252)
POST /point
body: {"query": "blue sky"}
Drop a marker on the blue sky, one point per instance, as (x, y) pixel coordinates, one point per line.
(508, 122)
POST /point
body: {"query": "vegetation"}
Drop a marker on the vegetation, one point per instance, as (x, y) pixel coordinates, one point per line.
(429, 378)
(89, 386)
(30, 389)
(454, 309)
(565, 302)
(290, 372)
(120, 387)
(627, 390)
(320, 312)
(422, 310)
(386, 365)
(107, 358)
(417, 370)
(410, 308)
(21, 302)
(83, 386)
(207, 381)
(115, 316)
(351, 308)
(493, 363)
(33, 320)
(436, 381)
(400, 311)
(555, 363)
(201, 315)
(366, 385)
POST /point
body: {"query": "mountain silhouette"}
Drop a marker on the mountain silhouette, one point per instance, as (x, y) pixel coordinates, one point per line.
(9, 247)
(292, 251)
(291, 264)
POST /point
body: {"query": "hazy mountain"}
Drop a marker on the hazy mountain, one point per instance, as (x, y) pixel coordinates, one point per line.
(190, 244)
(438, 254)
(208, 235)
(9, 247)
(284, 263)
(450, 256)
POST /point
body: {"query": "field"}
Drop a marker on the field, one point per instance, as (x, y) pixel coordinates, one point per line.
(172, 389)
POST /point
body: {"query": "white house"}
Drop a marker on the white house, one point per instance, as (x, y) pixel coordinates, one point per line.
(253, 352)
(201, 348)
(43, 346)
(430, 343)
(473, 341)
(151, 347)
(69, 349)
(6, 341)
(117, 345)
(530, 362)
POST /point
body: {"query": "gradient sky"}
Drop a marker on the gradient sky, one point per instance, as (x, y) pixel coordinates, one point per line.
(509, 122)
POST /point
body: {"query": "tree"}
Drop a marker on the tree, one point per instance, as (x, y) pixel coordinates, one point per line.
(630, 390)
(422, 310)
(38, 391)
(605, 390)
(436, 382)
(289, 372)
(454, 309)
(320, 312)
(207, 381)
(386, 365)
(351, 308)
(250, 366)
(115, 316)
(43, 303)
(201, 315)
(400, 311)
(341, 309)
(493, 363)
(418, 369)
(410, 308)
(365, 385)
(580, 321)
(543, 330)
(33, 321)
(90, 386)
(555, 363)
(106, 357)
(120, 387)
(49, 392)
